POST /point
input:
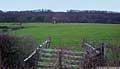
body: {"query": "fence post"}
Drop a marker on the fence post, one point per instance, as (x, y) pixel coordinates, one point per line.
(49, 41)
(0, 61)
(60, 60)
(103, 52)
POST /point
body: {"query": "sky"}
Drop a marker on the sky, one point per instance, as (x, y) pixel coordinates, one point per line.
(60, 5)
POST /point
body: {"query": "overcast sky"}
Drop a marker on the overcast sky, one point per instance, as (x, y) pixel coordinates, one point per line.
(60, 5)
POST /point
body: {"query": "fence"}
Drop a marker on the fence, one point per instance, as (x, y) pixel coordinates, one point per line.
(60, 58)
(68, 59)
(94, 57)
(34, 56)
(56, 58)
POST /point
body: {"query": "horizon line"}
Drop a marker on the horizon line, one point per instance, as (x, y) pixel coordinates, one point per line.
(60, 10)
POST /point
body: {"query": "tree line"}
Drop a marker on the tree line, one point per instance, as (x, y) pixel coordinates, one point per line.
(70, 16)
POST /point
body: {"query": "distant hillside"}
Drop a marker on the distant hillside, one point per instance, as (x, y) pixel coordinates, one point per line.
(71, 16)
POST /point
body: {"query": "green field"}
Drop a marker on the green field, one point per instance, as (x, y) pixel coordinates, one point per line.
(71, 34)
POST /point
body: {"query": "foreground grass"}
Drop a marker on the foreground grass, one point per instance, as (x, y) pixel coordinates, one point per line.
(71, 34)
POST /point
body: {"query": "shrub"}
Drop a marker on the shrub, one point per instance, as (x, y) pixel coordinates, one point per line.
(15, 49)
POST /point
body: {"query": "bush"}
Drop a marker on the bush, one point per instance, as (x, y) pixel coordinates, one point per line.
(15, 49)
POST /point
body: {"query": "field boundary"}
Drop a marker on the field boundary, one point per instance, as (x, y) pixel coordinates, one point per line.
(91, 57)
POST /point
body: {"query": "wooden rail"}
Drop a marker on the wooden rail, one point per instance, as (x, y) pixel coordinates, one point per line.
(45, 44)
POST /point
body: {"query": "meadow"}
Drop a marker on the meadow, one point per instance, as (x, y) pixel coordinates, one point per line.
(71, 34)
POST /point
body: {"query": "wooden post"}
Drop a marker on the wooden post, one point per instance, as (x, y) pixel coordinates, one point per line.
(49, 41)
(60, 60)
(103, 52)
(0, 61)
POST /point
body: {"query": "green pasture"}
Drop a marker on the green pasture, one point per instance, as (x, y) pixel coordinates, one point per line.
(71, 34)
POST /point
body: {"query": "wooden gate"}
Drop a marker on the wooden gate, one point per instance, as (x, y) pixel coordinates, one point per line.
(68, 59)
(60, 59)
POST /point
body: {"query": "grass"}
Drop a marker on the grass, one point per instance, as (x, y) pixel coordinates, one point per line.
(71, 34)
